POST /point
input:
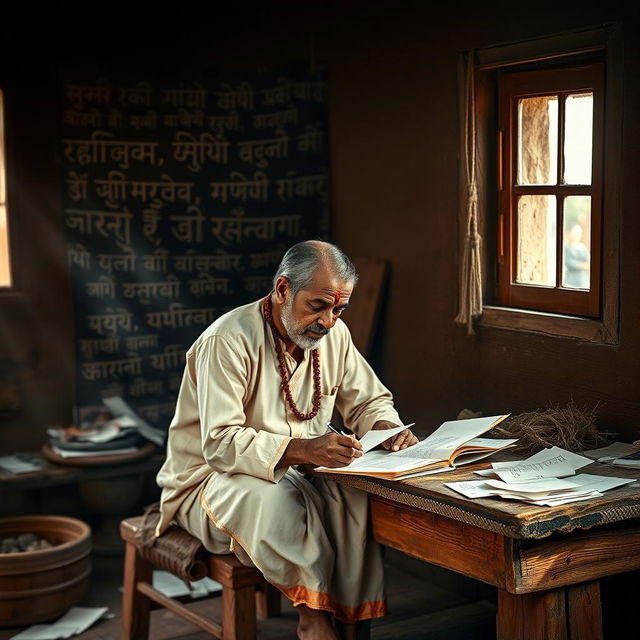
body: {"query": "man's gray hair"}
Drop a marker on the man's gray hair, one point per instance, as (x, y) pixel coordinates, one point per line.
(300, 262)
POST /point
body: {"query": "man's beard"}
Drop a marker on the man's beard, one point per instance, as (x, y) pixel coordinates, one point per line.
(297, 334)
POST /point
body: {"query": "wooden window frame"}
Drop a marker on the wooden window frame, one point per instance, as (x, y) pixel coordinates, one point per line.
(4, 196)
(602, 43)
(561, 82)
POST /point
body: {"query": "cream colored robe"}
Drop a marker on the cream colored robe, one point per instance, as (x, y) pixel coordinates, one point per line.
(307, 535)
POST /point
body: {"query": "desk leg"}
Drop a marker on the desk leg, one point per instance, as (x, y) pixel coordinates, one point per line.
(570, 613)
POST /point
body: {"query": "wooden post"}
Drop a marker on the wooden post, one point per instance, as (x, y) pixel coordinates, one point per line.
(570, 613)
(238, 613)
(531, 616)
(584, 611)
(135, 606)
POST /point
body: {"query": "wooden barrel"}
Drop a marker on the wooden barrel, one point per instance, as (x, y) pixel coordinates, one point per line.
(38, 586)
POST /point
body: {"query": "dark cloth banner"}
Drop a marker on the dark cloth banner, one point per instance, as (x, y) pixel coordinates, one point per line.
(180, 197)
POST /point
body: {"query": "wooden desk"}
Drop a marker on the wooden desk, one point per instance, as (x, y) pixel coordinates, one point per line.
(53, 474)
(546, 562)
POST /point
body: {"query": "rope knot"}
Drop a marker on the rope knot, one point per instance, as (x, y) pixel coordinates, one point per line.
(474, 240)
(472, 193)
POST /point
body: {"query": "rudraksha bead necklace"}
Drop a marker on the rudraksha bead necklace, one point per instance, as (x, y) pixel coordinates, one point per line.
(282, 367)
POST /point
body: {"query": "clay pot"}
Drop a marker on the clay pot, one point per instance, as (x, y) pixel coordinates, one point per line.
(38, 586)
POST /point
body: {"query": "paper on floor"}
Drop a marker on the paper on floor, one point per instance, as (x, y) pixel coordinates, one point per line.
(75, 621)
(172, 586)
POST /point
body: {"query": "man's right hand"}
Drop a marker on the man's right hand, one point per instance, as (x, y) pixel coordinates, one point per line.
(330, 450)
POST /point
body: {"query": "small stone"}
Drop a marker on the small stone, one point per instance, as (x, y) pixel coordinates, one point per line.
(9, 545)
(25, 540)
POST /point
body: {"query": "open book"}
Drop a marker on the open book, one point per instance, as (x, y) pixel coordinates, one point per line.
(452, 443)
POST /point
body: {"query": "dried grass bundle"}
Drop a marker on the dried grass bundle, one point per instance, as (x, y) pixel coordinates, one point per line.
(571, 427)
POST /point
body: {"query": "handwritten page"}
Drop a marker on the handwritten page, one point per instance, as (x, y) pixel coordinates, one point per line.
(544, 492)
(574, 459)
(453, 434)
(547, 463)
(434, 450)
(547, 485)
(473, 488)
(553, 468)
(381, 461)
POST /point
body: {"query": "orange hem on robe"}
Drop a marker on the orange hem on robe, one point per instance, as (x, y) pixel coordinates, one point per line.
(323, 601)
(313, 599)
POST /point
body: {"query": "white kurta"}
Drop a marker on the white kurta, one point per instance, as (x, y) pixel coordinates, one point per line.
(308, 536)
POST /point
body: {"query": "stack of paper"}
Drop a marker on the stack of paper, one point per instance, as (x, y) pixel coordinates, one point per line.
(537, 480)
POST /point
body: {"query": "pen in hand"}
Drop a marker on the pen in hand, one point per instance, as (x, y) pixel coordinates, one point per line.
(335, 429)
(356, 450)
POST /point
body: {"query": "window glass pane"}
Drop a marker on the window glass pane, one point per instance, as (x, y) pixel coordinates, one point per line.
(576, 243)
(536, 259)
(538, 140)
(578, 132)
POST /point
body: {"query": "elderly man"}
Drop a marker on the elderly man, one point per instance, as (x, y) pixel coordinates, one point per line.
(259, 387)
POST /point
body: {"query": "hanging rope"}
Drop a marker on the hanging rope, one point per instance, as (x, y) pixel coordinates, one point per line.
(470, 300)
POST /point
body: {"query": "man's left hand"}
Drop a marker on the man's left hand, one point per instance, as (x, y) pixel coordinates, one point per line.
(401, 440)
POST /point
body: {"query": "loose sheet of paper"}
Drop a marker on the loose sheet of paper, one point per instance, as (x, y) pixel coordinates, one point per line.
(612, 451)
(373, 438)
(554, 468)
(119, 407)
(473, 488)
(172, 586)
(584, 487)
(551, 462)
(547, 485)
(14, 464)
(75, 621)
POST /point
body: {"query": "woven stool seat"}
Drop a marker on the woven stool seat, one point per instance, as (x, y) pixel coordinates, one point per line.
(244, 589)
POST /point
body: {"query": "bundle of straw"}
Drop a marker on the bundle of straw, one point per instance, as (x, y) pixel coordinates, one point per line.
(570, 427)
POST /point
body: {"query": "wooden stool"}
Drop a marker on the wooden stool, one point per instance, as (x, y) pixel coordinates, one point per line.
(244, 591)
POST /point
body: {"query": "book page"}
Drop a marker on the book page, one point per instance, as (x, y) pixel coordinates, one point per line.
(380, 461)
(441, 444)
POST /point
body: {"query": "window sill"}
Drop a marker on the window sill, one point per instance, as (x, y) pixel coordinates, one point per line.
(550, 324)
